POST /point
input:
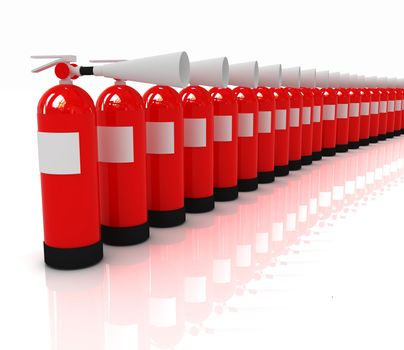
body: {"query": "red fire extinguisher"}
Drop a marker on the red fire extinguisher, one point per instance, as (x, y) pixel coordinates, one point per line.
(374, 110)
(198, 133)
(122, 165)
(343, 99)
(397, 109)
(291, 80)
(401, 87)
(318, 116)
(382, 109)
(308, 82)
(67, 147)
(353, 112)
(269, 77)
(225, 144)
(391, 105)
(245, 76)
(364, 112)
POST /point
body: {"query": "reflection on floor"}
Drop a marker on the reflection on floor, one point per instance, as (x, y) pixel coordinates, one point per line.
(186, 283)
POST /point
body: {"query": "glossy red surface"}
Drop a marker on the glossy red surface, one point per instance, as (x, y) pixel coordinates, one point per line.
(398, 113)
(374, 118)
(364, 118)
(247, 145)
(307, 128)
(354, 120)
(295, 132)
(165, 172)
(266, 141)
(402, 108)
(198, 161)
(329, 126)
(383, 114)
(342, 123)
(282, 103)
(70, 202)
(225, 152)
(123, 185)
(318, 125)
(391, 98)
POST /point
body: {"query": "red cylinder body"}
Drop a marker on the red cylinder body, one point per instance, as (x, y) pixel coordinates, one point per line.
(383, 114)
(354, 120)
(342, 119)
(374, 115)
(364, 117)
(317, 123)
(397, 111)
(295, 129)
(122, 166)
(266, 134)
(402, 109)
(247, 138)
(307, 125)
(67, 140)
(391, 104)
(225, 144)
(198, 149)
(282, 117)
(164, 156)
(329, 122)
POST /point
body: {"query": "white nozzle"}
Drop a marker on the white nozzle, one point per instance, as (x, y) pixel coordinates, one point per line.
(57, 59)
(212, 72)
(323, 79)
(334, 79)
(344, 80)
(291, 77)
(308, 78)
(170, 69)
(244, 74)
(271, 76)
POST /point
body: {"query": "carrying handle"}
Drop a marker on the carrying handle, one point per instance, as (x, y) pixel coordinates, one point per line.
(59, 59)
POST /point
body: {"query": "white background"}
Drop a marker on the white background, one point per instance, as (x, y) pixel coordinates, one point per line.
(364, 37)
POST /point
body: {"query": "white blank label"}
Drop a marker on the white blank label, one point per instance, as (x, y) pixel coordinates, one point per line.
(194, 132)
(402, 105)
(316, 114)
(354, 109)
(398, 105)
(160, 137)
(277, 231)
(261, 242)
(115, 144)
(306, 114)
(374, 108)
(280, 116)
(342, 111)
(329, 112)
(383, 107)
(264, 122)
(390, 106)
(59, 153)
(163, 312)
(243, 255)
(221, 271)
(294, 117)
(365, 108)
(245, 124)
(223, 128)
(324, 199)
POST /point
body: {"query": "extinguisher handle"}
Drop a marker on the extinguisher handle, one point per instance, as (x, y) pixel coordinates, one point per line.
(58, 59)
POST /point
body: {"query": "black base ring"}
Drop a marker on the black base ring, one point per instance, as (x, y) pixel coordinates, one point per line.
(402, 131)
(295, 165)
(342, 148)
(364, 142)
(281, 170)
(328, 152)
(225, 194)
(317, 155)
(397, 132)
(266, 177)
(122, 236)
(73, 258)
(199, 205)
(166, 218)
(353, 145)
(382, 137)
(390, 135)
(373, 139)
(307, 160)
(247, 185)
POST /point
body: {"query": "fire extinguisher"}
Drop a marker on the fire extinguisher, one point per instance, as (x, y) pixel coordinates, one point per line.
(122, 165)
(374, 109)
(391, 106)
(382, 109)
(291, 80)
(198, 133)
(364, 112)
(401, 87)
(308, 82)
(269, 77)
(67, 147)
(353, 112)
(245, 76)
(397, 109)
(342, 114)
(318, 115)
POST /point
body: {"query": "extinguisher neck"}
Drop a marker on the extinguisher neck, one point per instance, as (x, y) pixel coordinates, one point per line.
(67, 81)
(119, 82)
